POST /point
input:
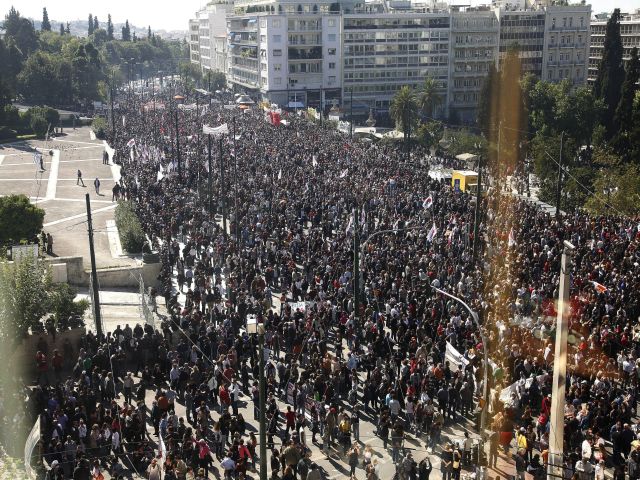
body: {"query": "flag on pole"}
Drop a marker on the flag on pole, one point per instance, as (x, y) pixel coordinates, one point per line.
(215, 131)
(344, 173)
(314, 161)
(349, 225)
(599, 287)
(432, 233)
(512, 238)
(131, 143)
(427, 202)
(280, 174)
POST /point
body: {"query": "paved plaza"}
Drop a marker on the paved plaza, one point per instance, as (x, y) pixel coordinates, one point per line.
(55, 190)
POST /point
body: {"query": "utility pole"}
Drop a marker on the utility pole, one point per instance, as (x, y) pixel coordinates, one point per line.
(476, 220)
(209, 178)
(559, 185)
(263, 408)
(356, 269)
(178, 144)
(556, 435)
(235, 186)
(222, 191)
(351, 117)
(94, 273)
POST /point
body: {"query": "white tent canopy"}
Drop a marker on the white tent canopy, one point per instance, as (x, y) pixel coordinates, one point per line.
(467, 157)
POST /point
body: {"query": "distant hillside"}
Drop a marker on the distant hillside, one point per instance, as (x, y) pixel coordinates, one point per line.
(79, 28)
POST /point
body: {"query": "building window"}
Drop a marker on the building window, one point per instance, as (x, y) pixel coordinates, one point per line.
(332, 37)
(275, 23)
(578, 73)
(331, 51)
(277, 67)
(564, 22)
(263, 23)
(550, 58)
(263, 38)
(332, 65)
(277, 38)
(581, 21)
(277, 52)
(277, 81)
(332, 79)
(332, 22)
(549, 75)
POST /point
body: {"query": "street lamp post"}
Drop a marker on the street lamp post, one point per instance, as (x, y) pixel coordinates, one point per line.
(476, 217)
(253, 327)
(485, 378)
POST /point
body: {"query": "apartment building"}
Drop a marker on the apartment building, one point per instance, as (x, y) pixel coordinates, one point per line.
(474, 49)
(289, 54)
(629, 31)
(323, 54)
(383, 52)
(208, 36)
(566, 44)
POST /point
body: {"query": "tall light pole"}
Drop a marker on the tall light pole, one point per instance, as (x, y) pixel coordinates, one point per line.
(485, 385)
(253, 327)
(476, 218)
(556, 433)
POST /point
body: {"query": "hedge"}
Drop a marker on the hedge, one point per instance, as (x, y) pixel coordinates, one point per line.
(99, 126)
(131, 233)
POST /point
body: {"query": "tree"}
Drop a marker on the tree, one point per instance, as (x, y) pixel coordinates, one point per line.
(68, 29)
(24, 286)
(149, 33)
(428, 97)
(404, 112)
(486, 97)
(608, 84)
(616, 191)
(90, 25)
(109, 27)
(126, 32)
(96, 24)
(20, 220)
(62, 29)
(21, 32)
(624, 117)
(46, 24)
(46, 79)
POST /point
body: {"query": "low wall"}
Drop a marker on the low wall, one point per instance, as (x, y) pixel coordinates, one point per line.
(25, 354)
(108, 277)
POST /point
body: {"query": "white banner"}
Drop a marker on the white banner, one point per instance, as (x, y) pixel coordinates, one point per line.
(454, 357)
(29, 447)
(216, 131)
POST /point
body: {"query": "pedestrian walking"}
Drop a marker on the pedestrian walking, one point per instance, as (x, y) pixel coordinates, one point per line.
(79, 181)
(96, 183)
(105, 158)
(49, 244)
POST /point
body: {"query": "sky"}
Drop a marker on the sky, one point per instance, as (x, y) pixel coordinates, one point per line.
(173, 15)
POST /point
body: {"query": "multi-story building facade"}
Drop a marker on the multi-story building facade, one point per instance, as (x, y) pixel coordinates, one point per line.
(317, 54)
(383, 52)
(566, 44)
(629, 31)
(207, 36)
(290, 57)
(474, 49)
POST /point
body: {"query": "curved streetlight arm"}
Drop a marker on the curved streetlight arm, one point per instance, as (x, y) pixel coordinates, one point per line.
(485, 386)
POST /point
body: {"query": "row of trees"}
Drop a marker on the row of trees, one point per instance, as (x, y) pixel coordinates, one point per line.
(45, 67)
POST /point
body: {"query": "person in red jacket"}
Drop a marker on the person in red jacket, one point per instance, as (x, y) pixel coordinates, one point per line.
(42, 367)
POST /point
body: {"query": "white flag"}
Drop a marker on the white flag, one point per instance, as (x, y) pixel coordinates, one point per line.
(131, 143)
(512, 239)
(314, 161)
(427, 202)
(349, 225)
(280, 174)
(344, 173)
(432, 233)
(215, 131)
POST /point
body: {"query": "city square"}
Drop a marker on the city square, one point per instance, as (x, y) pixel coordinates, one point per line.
(333, 241)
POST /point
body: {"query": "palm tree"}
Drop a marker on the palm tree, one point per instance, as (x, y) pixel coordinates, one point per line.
(404, 111)
(428, 97)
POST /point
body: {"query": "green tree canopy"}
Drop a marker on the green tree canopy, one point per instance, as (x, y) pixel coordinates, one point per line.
(19, 219)
(46, 24)
(608, 84)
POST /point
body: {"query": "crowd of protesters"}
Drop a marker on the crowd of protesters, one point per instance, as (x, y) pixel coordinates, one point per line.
(295, 200)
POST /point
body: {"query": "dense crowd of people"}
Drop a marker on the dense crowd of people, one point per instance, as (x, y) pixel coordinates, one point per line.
(299, 203)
